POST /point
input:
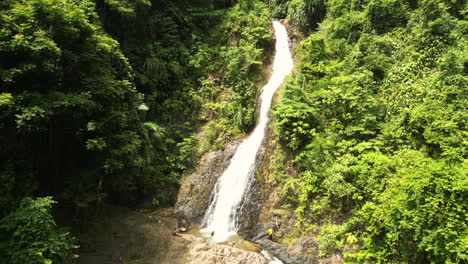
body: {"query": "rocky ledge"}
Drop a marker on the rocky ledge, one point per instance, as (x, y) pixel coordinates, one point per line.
(192, 250)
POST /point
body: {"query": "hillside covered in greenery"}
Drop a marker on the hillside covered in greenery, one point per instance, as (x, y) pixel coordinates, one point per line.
(114, 101)
(101, 102)
(375, 119)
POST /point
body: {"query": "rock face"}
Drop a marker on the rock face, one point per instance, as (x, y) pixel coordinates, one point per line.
(196, 190)
(190, 250)
(296, 254)
(261, 209)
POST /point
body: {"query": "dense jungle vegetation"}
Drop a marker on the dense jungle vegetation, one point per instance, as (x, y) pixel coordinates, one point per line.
(112, 101)
(375, 118)
(101, 101)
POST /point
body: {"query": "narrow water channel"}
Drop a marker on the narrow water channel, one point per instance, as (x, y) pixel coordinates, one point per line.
(220, 217)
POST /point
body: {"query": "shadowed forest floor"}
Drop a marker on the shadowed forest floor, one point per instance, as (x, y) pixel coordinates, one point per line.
(127, 236)
(145, 237)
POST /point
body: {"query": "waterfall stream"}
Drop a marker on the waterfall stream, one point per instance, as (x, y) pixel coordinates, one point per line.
(220, 217)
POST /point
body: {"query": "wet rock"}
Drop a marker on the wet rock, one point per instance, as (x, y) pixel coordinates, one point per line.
(298, 254)
(190, 250)
(281, 252)
(196, 190)
(204, 253)
(261, 199)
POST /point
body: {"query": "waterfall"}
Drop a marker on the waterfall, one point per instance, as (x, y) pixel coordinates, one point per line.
(220, 217)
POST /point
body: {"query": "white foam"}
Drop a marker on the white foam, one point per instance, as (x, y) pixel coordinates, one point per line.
(220, 217)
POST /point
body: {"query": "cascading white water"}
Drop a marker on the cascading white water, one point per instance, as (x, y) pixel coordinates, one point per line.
(220, 218)
(271, 259)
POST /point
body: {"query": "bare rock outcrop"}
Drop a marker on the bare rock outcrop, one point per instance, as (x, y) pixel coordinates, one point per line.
(190, 250)
(196, 190)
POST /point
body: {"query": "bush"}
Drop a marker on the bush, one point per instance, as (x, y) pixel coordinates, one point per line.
(375, 117)
(30, 235)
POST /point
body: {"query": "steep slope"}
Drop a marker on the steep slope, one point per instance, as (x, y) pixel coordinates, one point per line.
(372, 127)
(112, 101)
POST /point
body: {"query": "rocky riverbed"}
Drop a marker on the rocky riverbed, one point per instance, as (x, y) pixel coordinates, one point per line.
(197, 189)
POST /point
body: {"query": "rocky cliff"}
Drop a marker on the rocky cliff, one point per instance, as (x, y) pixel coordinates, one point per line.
(196, 190)
(192, 250)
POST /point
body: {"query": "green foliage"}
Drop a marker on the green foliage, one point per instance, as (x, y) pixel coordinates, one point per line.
(70, 109)
(384, 15)
(331, 238)
(100, 99)
(376, 118)
(422, 213)
(230, 58)
(195, 64)
(279, 8)
(306, 14)
(70, 92)
(30, 235)
(100, 102)
(6, 99)
(77, 112)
